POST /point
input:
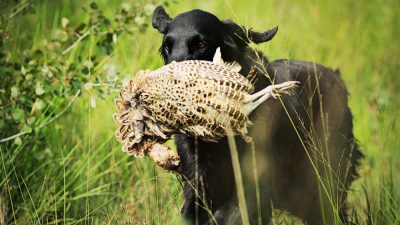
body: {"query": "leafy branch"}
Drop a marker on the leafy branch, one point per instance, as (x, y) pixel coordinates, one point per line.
(45, 123)
(36, 85)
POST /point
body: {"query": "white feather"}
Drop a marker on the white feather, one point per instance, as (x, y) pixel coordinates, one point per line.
(217, 59)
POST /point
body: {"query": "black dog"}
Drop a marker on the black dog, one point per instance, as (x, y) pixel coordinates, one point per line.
(304, 156)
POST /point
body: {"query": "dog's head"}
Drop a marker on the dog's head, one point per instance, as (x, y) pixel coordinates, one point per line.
(197, 34)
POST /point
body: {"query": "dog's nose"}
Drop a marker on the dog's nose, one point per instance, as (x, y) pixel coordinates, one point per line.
(180, 55)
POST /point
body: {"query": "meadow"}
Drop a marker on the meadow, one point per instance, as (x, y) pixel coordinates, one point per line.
(71, 170)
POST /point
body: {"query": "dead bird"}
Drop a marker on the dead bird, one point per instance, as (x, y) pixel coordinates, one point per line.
(196, 98)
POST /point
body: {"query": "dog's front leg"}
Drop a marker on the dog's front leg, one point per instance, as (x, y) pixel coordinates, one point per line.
(192, 211)
(229, 214)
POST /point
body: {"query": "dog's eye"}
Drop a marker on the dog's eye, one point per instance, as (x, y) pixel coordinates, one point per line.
(201, 45)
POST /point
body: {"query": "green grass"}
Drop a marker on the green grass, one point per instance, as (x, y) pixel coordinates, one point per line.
(81, 176)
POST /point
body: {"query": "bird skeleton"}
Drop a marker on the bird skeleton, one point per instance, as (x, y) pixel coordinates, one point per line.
(197, 98)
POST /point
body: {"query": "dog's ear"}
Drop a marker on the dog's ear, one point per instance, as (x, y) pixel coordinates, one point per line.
(242, 36)
(260, 37)
(161, 19)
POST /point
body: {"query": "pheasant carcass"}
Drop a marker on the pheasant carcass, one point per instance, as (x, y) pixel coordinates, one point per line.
(197, 98)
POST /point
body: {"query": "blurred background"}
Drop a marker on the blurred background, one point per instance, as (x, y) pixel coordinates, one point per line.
(62, 62)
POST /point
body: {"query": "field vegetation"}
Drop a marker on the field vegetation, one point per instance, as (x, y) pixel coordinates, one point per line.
(62, 62)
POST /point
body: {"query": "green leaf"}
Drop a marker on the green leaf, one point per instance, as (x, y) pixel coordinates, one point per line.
(18, 114)
(64, 22)
(23, 70)
(37, 106)
(18, 141)
(27, 129)
(28, 77)
(39, 89)
(14, 91)
(59, 35)
(88, 64)
(46, 71)
(94, 5)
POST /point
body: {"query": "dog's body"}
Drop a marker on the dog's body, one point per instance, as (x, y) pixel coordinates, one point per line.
(309, 134)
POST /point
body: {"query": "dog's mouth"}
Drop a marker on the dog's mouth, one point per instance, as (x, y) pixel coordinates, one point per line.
(160, 154)
(141, 148)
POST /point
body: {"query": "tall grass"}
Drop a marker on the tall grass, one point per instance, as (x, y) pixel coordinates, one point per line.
(82, 177)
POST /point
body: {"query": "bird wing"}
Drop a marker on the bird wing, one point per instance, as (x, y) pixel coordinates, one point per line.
(199, 69)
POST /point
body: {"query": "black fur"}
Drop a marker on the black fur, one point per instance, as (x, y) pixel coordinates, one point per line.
(291, 140)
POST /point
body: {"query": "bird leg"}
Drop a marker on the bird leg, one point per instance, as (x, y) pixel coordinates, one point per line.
(254, 100)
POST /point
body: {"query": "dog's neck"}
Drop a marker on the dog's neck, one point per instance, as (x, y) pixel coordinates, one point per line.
(253, 58)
